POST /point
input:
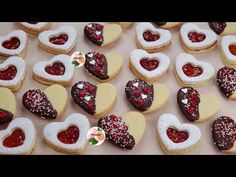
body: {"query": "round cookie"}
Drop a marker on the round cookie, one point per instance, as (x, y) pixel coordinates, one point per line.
(13, 44)
(148, 67)
(124, 132)
(195, 107)
(19, 137)
(58, 41)
(167, 25)
(175, 137)
(47, 104)
(103, 66)
(223, 28)
(146, 97)
(58, 70)
(196, 40)
(95, 100)
(102, 35)
(228, 50)
(33, 28)
(70, 136)
(152, 39)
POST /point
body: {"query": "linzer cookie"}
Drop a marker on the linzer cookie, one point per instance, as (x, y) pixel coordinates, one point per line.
(13, 44)
(228, 50)
(19, 137)
(167, 24)
(146, 97)
(103, 66)
(124, 132)
(196, 40)
(59, 41)
(224, 134)
(226, 80)
(152, 39)
(194, 106)
(223, 28)
(96, 100)
(34, 28)
(47, 104)
(102, 35)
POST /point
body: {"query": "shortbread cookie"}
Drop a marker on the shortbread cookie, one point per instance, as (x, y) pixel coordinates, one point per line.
(47, 104)
(194, 106)
(13, 44)
(224, 134)
(152, 39)
(125, 132)
(7, 105)
(223, 28)
(12, 73)
(102, 35)
(175, 137)
(19, 137)
(148, 67)
(191, 72)
(103, 66)
(228, 50)
(59, 41)
(146, 97)
(167, 25)
(34, 28)
(58, 70)
(196, 40)
(95, 100)
(70, 136)
(226, 80)
(126, 25)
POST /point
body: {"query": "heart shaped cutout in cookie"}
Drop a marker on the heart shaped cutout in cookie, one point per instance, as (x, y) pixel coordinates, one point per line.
(174, 136)
(103, 66)
(58, 70)
(7, 105)
(69, 136)
(224, 134)
(191, 72)
(195, 39)
(152, 39)
(18, 138)
(124, 132)
(228, 50)
(12, 73)
(47, 104)
(194, 106)
(13, 44)
(96, 100)
(146, 97)
(148, 67)
(34, 28)
(59, 41)
(102, 35)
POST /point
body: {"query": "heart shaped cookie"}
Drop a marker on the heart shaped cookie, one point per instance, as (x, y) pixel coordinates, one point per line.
(194, 106)
(191, 72)
(103, 67)
(69, 136)
(13, 44)
(228, 50)
(196, 40)
(95, 100)
(58, 70)
(175, 137)
(124, 132)
(148, 67)
(34, 28)
(47, 104)
(102, 35)
(152, 39)
(224, 134)
(59, 41)
(7, 105)
(167, 25)
(12, 73)
(146, 97)
(18, 138)
(126, 25)
(223, 28)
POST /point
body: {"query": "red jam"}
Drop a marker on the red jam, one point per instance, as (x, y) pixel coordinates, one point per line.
(196, 37)
(59, 40)
(177, 136)
(191, 71)
(56, 68)
(232, 49)
(149, 36)
(16, 139)
(149, 64)
(69, 136)
(11, 44)
(9, 73)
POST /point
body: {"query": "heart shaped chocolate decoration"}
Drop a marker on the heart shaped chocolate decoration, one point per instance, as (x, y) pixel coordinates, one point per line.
(5, 116)
(217, 27)
(94, 32)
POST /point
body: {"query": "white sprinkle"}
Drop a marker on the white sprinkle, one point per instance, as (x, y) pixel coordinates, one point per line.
(80, 86)
(92, 62)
